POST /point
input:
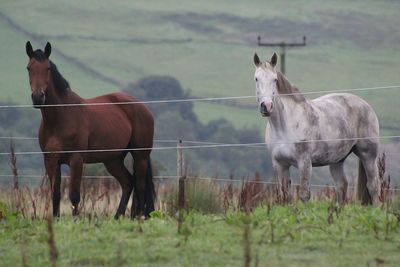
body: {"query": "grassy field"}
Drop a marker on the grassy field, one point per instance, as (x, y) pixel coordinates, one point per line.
(301, 235)
(213, 229)
(208, 46)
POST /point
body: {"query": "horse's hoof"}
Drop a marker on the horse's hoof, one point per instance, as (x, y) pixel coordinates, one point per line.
(139, 217)
(305, 196)
(376, 203)
(75, 211)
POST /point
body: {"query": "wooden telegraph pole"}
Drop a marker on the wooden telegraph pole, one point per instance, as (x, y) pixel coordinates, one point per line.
(283, 46)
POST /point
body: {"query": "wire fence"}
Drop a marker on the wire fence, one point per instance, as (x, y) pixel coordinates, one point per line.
(193, 144)
(175, 177)
(204, 145)
(205, 99)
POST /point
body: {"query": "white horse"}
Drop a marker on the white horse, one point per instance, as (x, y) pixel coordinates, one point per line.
(324, 131)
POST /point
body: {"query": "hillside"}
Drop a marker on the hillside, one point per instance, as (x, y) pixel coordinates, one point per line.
(208, 47)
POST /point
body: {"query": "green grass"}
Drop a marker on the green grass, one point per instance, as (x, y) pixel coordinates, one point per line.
(355, 237)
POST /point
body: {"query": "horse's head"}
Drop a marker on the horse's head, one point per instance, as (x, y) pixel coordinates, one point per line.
(266, 79)
(39, 72)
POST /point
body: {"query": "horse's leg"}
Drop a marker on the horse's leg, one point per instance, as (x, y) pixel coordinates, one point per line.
(76, 168)
(140, 162)
(150, 190)
(117, 169)
(371, 171)
(339, 177)
(367, 151)
(53, 171)
(283, 174)
(305, 169)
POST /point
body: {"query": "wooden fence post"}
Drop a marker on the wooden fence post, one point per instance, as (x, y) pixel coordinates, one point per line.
(181, 185)
(179, 160)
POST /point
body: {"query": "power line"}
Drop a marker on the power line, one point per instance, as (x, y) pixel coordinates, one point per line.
(206, 99)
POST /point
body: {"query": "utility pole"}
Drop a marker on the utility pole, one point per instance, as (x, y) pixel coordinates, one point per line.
(283, 46)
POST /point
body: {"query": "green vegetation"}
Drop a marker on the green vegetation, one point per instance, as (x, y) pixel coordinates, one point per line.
(213, 229)
(302, 235)
(206, 47)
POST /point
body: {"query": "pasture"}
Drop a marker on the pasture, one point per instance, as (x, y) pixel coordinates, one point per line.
(207, 48)
(212, 233)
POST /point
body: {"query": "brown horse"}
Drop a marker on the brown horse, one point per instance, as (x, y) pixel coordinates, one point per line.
(72, 126)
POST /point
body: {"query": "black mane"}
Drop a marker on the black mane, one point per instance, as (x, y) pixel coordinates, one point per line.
(60, 83)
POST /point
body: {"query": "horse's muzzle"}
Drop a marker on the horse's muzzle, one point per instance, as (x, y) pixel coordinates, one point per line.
(266, 110)
(38, 99)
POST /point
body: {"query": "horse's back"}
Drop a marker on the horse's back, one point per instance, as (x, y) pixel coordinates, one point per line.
(130, 114)
(117, 97)
(130, 105)
(348, 113)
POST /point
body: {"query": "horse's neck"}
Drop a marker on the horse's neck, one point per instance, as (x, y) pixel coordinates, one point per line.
(278, 118)
(288, 116)
(54, 114)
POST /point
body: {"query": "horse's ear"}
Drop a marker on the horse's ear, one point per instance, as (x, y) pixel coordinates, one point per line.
(29, 49)
(47, 50)
(257, 60)
(274, 59)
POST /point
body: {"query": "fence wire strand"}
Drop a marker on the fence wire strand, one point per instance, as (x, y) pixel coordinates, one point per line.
(167, 177)
(205, 99)
(215, 145)
(197, 144)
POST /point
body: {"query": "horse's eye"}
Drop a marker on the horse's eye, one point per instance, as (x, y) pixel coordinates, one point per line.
(256, 79)
(28, 69)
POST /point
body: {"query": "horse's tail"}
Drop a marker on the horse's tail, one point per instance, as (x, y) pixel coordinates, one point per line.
(362, 191)
(150, 194)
